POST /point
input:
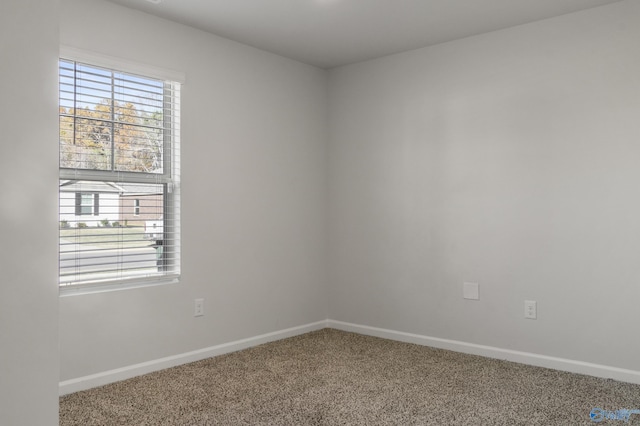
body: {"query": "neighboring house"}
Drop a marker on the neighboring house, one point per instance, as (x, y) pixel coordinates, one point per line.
(89, 203)
(94, 203)
(140, 203)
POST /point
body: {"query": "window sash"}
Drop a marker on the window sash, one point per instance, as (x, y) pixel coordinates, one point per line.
(98, 124)
(117, 245)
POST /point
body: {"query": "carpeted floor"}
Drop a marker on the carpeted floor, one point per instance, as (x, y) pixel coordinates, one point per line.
(331, 377)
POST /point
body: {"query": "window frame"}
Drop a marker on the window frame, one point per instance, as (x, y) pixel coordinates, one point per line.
(169, 178)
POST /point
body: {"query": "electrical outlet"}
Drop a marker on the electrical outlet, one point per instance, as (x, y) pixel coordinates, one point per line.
(530, 309)
(198, 308)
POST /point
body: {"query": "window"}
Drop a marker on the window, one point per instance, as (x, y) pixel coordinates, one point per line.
(119, 177)
(87, 204)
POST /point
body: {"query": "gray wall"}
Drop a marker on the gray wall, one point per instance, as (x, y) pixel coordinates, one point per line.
(509, 159)
(253, 197)
(28, 204)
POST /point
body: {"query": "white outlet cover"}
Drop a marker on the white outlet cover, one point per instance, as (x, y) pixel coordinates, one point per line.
(198, 308)
(530, 309)
(471, 291)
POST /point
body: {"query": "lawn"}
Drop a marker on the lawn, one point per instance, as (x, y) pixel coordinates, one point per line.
(103, 237)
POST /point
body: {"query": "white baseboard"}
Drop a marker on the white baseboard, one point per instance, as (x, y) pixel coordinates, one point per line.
(572, 366)
(561, 364)
(111, 376)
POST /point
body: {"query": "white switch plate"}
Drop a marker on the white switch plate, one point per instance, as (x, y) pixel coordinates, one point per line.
(471, 291)
(530, 309)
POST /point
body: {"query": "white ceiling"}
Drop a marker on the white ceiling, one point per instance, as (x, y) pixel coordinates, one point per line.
(329, 33)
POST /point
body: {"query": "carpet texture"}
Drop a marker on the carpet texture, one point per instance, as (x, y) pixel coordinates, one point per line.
(330, 377)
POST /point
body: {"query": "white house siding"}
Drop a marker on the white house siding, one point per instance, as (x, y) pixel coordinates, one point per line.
(108, 209)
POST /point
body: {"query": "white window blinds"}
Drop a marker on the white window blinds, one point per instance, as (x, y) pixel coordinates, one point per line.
(119, 186)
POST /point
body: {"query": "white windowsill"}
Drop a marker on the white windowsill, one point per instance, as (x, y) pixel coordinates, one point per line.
(82, 289)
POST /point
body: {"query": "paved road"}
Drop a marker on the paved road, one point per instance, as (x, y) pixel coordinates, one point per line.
(88, 261)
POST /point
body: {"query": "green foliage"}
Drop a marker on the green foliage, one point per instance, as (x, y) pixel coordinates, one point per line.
(90, 137)
(105, 223)
(64, 224)
(82, 225)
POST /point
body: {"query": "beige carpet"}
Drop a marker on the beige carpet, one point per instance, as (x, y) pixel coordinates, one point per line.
(331, 377)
